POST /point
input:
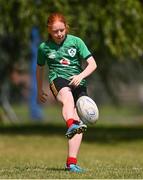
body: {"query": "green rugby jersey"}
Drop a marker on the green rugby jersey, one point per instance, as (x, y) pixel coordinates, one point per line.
(64, 60)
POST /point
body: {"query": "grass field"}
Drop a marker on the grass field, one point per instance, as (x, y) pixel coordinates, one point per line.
(111, 149)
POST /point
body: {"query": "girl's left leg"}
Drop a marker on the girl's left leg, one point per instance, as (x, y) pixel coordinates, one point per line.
(69, 112)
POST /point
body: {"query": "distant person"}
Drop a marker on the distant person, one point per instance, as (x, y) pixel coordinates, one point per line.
(63, 52)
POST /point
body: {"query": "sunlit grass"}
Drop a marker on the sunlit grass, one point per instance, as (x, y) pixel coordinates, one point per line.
(111, 149)
(40, 155)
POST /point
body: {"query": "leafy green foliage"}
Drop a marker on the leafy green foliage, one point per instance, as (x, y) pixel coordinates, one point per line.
(114, 25)
(111, 29)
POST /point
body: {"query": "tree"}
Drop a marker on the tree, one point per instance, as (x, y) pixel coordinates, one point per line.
(112, 30)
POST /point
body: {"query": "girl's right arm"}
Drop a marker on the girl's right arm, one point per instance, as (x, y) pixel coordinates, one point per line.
(41, 95)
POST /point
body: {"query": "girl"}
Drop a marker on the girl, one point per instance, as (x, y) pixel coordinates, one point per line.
(63, 53)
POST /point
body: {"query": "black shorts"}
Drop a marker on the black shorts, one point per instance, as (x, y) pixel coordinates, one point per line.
(57, 84)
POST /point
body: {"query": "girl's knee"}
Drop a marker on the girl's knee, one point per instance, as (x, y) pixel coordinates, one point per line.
(65, 96)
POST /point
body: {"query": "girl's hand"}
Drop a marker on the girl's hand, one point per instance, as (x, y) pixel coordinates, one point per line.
(42, 97)
(76, 79)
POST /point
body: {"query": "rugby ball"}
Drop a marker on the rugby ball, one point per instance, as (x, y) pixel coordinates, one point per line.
(87, 110)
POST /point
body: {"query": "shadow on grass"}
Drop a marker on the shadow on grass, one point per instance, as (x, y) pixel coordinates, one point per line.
(100, 134)
(56, 169)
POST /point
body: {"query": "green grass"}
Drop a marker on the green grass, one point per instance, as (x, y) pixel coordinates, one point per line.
(109, 115)
(110, 150)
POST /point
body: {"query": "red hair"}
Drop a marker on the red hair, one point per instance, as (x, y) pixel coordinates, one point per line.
(56, 17)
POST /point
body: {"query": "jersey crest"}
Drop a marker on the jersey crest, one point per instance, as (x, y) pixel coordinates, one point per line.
(72, 52)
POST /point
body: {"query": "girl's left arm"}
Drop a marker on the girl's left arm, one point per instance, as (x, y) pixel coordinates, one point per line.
(90, 68)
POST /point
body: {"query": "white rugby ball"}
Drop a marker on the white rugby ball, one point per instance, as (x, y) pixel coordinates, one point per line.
(87, 110)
